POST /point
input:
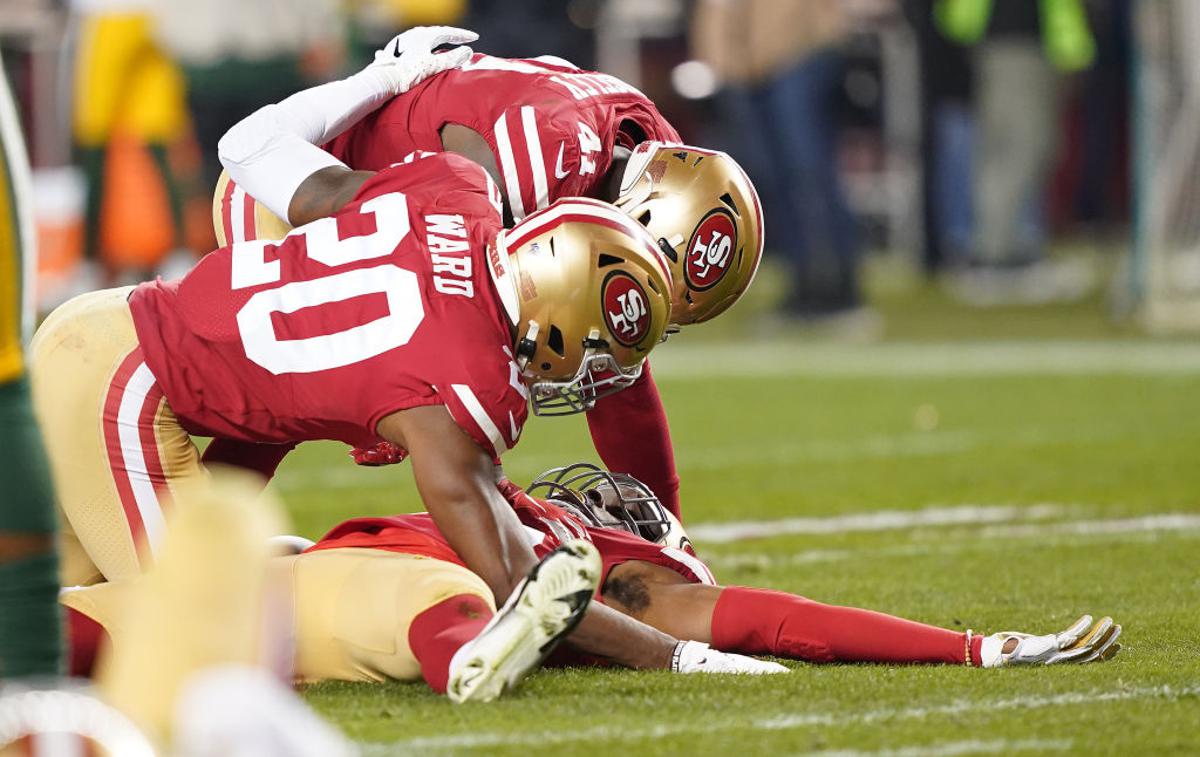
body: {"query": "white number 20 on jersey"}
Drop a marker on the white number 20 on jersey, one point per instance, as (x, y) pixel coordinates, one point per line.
(362, 342)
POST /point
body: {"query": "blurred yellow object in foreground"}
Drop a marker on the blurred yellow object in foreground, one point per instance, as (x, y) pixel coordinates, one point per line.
(202, 604)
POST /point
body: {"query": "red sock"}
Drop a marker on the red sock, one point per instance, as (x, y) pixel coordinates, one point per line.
(263, 459)
(761, 621)
(629, 430)
(436, 634)
(84, 637)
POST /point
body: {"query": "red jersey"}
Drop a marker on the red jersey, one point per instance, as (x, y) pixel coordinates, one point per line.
(391, 304)
(546, 525)
(551, 126)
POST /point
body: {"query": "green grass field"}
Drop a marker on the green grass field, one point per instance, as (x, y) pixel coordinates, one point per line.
(1054, 473)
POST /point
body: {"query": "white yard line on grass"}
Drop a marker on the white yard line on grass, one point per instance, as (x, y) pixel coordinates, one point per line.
(792, 721)
(1047, 535)
(955, 748)
(1059, 358)
(1156, 522)
(883, 520)
(941, 546)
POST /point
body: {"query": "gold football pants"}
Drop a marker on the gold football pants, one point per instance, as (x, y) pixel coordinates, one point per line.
(115, 447)
(352, 609)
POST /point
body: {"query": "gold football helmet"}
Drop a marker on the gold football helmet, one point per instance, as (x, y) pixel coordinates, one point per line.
(592, 298)
(702, 209)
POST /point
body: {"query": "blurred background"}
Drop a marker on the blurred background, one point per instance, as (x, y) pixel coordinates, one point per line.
(930, 168)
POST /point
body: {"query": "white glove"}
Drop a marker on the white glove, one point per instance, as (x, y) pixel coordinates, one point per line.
(1083, 641)
(698, 657)
(410, 57)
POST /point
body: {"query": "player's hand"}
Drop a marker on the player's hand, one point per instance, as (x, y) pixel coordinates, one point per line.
(413, 56)
(1083, 641)
(384, 453)
(697, 657)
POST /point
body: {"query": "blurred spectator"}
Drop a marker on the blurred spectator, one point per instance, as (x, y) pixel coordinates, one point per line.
(1021, 49)
(782, 68)
(238, 55)
(947, 140)
(128, 98)
(536, 27)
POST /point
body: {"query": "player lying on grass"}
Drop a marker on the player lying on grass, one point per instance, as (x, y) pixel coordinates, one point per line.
(544, 130)
(386, 597)
(410, 317)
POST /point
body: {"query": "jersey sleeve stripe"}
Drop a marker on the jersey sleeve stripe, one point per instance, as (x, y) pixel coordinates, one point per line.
(508, 166)
(537, 163)
(480, 416)
(699, 569)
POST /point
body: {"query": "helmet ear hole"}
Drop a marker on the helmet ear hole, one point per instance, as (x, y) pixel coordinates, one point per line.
(554, 340)
(728, 200)
(644, 218)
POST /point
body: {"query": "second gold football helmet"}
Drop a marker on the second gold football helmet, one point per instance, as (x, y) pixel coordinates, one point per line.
(705, 215)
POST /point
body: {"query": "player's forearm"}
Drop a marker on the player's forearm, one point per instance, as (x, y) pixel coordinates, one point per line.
(608, 634)
(490, 543)
(271, 152)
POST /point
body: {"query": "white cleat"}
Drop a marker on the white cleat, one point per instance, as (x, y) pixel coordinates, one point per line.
(543, 609)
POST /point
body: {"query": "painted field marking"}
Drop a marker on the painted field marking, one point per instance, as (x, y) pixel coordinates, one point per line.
(793, 721)
(680, 362)
(882, 520)
(761, 561)
(955, 748)
(1155, 522)
(1047, 536)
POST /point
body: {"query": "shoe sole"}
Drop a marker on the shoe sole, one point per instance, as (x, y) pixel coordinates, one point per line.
(544, 609)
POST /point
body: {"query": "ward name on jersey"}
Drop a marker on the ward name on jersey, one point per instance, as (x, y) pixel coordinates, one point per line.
(388, 305)
(551, 127)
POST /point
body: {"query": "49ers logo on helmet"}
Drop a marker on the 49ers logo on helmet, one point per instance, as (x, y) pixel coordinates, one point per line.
(626, 308)
(710, 250)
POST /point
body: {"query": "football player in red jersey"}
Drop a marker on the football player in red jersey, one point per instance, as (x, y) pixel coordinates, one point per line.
(648, 571)
(543, 129)
(409, 317)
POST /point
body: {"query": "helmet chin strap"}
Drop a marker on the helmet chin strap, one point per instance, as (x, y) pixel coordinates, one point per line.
(527, 346)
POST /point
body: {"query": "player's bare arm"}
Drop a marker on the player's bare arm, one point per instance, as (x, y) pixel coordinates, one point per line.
(324, 193)
(457, 483)
(470, 144)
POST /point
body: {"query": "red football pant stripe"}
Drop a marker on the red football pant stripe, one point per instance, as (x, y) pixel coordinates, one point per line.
(130, 407)
(250, 230)
(227, 211)
(437, 633)
(762, 621)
